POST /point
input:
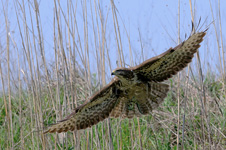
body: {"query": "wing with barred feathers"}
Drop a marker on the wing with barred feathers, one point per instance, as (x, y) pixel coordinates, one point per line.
(162, 67)
(97, 109)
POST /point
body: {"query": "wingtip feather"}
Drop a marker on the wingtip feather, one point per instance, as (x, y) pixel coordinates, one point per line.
(59, 127)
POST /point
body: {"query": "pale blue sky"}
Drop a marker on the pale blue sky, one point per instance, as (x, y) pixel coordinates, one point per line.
(156, 20)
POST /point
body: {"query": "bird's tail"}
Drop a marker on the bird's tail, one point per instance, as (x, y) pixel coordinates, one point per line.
(157, 93)
(141, 104)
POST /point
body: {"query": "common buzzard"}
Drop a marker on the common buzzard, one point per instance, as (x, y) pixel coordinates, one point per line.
(135, 91)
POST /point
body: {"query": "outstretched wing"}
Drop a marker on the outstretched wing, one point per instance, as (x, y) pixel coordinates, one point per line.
(96, 110)
(169, 63)
(141, 101)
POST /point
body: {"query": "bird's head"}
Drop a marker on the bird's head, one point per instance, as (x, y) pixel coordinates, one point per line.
(123, 73)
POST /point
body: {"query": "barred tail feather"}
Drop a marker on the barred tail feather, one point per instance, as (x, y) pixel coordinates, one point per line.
(157, 94)
(117, 111)
(143, 103)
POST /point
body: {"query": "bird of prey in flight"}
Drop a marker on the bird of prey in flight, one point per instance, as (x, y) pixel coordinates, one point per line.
(134, 91)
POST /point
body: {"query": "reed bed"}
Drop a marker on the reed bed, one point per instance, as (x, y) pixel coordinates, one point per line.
(43, 80)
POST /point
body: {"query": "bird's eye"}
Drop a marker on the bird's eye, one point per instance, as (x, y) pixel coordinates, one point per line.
(122, 72)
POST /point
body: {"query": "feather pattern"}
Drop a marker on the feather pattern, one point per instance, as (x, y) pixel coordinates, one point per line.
(136, 91)
(142, 102)
(169, 63)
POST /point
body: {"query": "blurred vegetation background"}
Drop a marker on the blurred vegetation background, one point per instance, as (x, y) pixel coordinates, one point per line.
(46, 72)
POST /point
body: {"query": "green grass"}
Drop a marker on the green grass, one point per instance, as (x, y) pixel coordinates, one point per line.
(158, 130)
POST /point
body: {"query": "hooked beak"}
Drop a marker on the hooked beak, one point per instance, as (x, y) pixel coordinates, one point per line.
(113, 72)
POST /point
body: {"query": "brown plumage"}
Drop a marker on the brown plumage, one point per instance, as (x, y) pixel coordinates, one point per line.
(134, 91)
